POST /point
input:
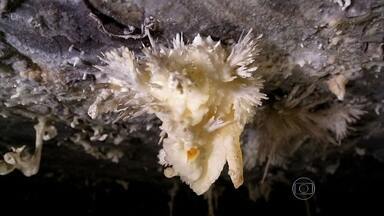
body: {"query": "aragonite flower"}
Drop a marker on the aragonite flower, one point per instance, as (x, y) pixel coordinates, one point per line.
(204, 93)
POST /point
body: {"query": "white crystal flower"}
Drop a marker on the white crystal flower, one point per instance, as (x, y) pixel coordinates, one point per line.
(204, 93)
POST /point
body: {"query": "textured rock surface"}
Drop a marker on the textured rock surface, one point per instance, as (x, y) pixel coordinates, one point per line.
(48, 49)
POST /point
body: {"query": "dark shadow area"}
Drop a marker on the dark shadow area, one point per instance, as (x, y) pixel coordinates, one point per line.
(353, 189)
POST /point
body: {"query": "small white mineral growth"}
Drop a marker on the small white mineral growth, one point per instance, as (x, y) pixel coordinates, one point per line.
(285, 124)
(344, 4)
(337, 86)
(204, 93)
(19, 159)
(114, 155)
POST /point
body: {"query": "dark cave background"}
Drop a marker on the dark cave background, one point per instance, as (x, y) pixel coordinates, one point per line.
(356, 189)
